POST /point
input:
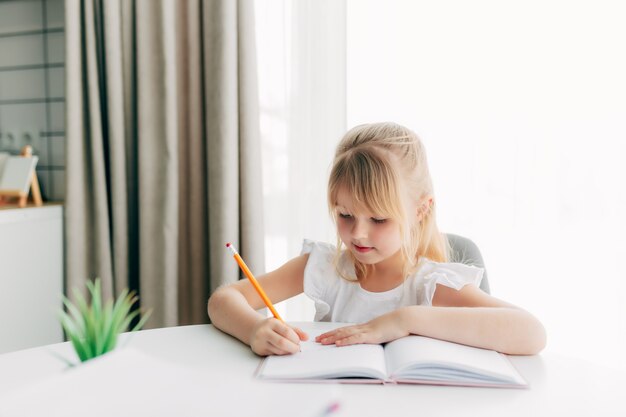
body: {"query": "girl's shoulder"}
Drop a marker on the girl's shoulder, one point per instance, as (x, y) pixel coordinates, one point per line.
(321, 257)
(451, 274)
(317, 248)
(321, 278)
(324, 256)
(427, 268)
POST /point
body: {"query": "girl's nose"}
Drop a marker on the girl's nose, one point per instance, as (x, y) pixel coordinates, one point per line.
(359, 229)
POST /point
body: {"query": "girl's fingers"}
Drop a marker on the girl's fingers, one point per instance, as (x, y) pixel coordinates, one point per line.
(272, 350)
(273, 337)
(277, 338)
(327, 335)
(325, 340)
(351, 340)
(282, 346)
(346, 336)
(272, 345)
(337, 334)
(288, 333)
(284, 340)
(319, 337)
(301, 334)
(328, 338)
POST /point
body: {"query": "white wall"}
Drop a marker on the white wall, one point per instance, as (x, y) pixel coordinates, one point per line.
(32, 87)
(522, 107)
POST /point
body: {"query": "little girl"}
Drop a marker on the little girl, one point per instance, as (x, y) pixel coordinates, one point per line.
(389, 271)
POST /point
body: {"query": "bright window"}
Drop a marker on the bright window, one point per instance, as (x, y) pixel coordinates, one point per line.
(521, 106)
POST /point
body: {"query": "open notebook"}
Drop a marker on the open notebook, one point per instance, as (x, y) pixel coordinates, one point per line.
(411, 360)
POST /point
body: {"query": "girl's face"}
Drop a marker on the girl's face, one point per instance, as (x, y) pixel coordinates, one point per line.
(370, 237)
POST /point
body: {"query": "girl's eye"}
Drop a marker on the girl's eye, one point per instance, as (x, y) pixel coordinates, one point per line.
(345, 216)
(378, 221)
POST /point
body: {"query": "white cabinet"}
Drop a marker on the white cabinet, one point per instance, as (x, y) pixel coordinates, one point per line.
(31, 276)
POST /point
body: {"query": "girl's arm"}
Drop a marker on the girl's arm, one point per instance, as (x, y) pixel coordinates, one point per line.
(232, 309)
(468, 316)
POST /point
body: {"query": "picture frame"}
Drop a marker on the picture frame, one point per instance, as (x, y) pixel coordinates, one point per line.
(18, 178)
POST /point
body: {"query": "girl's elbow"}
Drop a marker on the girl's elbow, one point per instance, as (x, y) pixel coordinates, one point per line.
(539, 342)
(532, 343)
(216, 300)
(538, 337)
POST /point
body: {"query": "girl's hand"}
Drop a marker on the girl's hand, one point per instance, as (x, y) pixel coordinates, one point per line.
(382, 329)
(273, 337)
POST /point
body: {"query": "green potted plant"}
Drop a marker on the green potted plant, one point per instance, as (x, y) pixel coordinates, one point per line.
(93, 327)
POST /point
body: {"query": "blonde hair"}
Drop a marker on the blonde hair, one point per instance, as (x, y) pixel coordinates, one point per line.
(383, 166)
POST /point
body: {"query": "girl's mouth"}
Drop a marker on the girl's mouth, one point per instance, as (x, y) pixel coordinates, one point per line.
(362, 249)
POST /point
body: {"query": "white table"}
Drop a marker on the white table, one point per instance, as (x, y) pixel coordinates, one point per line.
(558, 385)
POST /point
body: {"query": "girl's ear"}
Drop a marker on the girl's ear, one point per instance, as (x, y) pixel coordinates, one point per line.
(424, 208)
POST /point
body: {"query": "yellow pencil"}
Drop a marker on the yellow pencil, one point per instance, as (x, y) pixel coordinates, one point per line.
(253, 280)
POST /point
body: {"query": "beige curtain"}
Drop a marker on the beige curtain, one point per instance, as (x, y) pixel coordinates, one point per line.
(163, 158)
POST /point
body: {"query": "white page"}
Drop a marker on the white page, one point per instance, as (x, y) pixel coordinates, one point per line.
(413, 351)
(17, 172)
(319, 361)
(128, 382)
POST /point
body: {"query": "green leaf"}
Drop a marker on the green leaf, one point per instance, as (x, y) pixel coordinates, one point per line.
(128, 319)
(87, 315)
(70, 330)
(107, 331)
(98, 316)
(93, 327)
(76, 316)
(143, 321)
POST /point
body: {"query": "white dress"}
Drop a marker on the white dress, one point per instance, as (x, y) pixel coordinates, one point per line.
(339, 300)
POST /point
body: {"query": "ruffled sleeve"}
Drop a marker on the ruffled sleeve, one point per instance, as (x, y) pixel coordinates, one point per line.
(453, 275)
(320, 277)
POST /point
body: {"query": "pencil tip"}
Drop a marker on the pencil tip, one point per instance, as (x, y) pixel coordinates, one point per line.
(228, 245)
